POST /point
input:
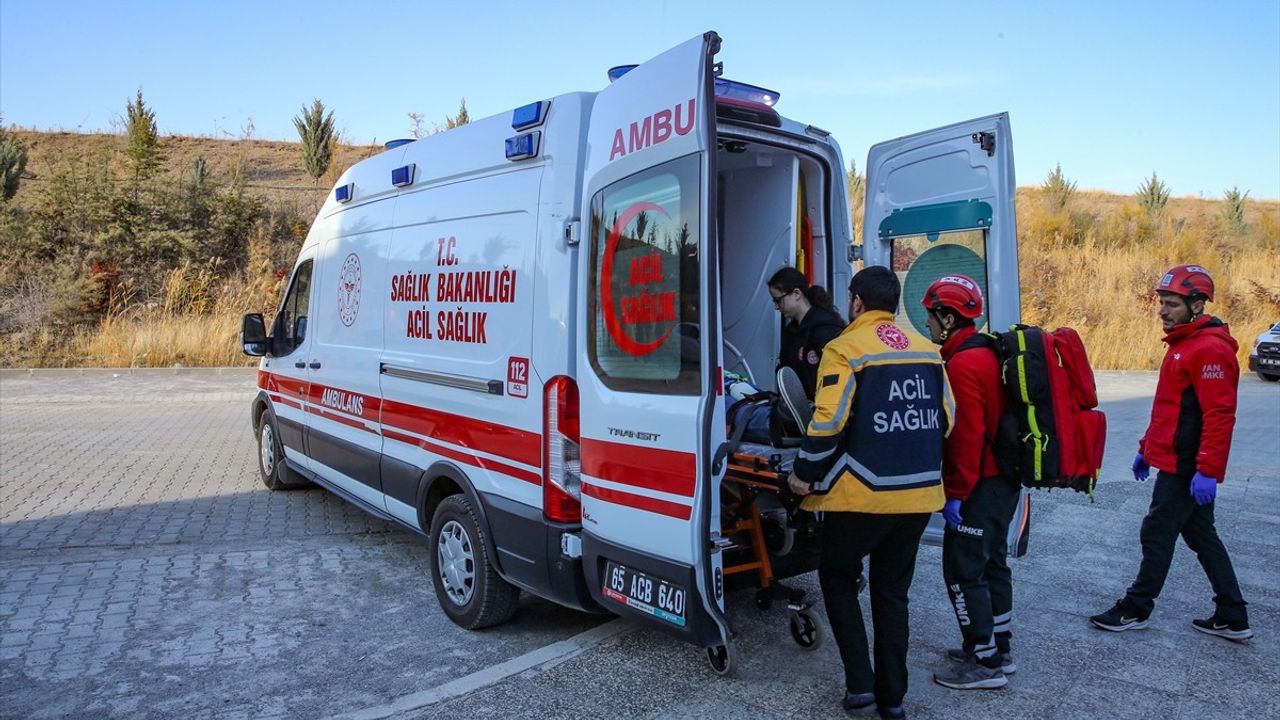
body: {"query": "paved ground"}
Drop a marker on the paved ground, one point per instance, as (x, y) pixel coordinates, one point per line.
(144, 571)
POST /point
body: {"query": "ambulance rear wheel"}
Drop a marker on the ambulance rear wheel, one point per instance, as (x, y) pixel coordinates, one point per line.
(469, 589)
(275, 474)
(805, 631)
(723, 659)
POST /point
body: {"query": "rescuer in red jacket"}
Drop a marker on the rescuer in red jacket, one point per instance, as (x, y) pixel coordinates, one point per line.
(980, 502)
(1187, 442)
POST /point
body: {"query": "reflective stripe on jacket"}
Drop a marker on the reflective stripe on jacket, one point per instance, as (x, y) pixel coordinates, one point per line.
(882, 411)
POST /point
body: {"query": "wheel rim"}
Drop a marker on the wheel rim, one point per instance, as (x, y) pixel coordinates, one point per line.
(267, 449)
(456, 563)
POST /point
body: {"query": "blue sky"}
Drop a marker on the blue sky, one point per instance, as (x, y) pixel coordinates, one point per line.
(1111, 90)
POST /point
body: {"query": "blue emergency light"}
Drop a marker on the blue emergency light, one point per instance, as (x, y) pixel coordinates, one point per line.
(618, 71)
(745, 91)
(523, 146)
(723, 88)
(402, 176)
(531, 115)
(342, 193)
(393, 144)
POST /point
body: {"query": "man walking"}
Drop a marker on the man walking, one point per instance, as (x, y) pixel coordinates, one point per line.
(871, 463)
(980, 501)
(1187, 442)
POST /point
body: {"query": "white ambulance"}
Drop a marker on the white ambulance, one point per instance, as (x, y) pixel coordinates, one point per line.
(510, 338)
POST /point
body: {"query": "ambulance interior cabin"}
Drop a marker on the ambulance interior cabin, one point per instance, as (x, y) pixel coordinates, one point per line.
(772, 213)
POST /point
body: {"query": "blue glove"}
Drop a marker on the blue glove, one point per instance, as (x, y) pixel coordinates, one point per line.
(1141, 470)
(1203, 488)
(951, 511)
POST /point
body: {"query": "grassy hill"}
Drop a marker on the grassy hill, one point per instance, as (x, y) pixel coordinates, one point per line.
(99, 267)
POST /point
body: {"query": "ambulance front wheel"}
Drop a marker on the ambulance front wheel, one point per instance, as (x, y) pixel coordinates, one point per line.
(275, 474)
(468, 587)
(723, 659)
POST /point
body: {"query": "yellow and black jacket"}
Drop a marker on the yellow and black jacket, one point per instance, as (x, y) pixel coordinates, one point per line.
(882, 411)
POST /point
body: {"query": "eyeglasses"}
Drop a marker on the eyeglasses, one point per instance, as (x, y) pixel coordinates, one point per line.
(777, 299)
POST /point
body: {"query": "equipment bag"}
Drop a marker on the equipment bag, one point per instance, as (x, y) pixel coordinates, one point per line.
(1051, 435)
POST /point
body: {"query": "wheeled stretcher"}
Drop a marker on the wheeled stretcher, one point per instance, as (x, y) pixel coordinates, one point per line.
(766, 537)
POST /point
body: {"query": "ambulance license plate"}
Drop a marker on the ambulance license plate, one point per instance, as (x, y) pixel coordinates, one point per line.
(642, 592)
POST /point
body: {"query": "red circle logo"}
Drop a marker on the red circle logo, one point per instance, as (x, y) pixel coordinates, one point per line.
(893, 336)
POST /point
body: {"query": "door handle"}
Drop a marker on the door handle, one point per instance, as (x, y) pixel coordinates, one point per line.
(315, 365)
(299, 364)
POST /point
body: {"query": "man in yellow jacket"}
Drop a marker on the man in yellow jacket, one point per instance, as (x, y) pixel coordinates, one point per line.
(871, 464)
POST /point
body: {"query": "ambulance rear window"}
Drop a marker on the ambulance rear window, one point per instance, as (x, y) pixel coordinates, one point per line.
(920, 259)
(642, 331)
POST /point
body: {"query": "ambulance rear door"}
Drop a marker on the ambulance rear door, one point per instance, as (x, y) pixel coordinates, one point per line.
(649, 367)
(942, 202)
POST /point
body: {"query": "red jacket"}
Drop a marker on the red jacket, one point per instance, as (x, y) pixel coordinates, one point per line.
(1194, 410)
(980, 401)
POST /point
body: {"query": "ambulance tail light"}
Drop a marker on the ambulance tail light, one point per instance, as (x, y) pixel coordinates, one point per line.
(562, 468)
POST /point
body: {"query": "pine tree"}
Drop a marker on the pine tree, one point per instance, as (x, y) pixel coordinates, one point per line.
(1058, 190)
(462, 118)
(142, 139)
(1153, 195)
(315, 128)
(1233, 209)
(13, 162)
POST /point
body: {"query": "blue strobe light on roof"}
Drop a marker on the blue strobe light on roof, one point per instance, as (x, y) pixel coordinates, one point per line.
(531, 115)
(618, 71)
(523, 146)
(402, 176)
(393, 144)
(342, 193)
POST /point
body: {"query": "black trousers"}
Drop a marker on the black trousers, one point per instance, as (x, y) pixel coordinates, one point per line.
(891, 542)
(1173, 511)
(976, 569)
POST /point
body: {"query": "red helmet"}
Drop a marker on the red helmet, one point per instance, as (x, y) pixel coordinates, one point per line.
(1188, 281)
(957, 292)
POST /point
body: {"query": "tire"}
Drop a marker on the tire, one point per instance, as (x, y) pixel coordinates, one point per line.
(275, 474)
(468, 588)
(723, 659)
(804, 631)
(1266, 377)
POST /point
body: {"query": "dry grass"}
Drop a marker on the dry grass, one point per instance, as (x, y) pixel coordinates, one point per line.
(1090, 265)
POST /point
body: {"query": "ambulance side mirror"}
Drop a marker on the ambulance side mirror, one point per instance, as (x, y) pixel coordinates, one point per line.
(253, 335)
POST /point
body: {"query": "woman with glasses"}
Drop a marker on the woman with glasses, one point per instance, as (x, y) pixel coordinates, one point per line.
(810, 321)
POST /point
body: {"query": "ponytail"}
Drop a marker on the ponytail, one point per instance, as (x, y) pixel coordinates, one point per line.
(788, 278)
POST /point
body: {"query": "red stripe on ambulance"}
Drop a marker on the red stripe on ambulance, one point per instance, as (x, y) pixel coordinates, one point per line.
(651, 468)
(512, 443)
(462, 457)
(639, 502)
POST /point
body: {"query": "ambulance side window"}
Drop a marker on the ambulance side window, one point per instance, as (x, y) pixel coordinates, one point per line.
(290, 328)
(643, 302)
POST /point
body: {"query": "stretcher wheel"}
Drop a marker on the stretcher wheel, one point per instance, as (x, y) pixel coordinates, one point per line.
(805, 631)
(723, 659)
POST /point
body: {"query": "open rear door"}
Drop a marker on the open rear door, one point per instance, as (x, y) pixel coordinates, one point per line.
(942, 202)
(649, 359)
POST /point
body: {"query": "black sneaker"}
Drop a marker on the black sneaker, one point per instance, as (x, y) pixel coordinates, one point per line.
(1119, 618)
(1007, 665)
(971, 675)
(893, 713)
(1238, 631)
(858, 703)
